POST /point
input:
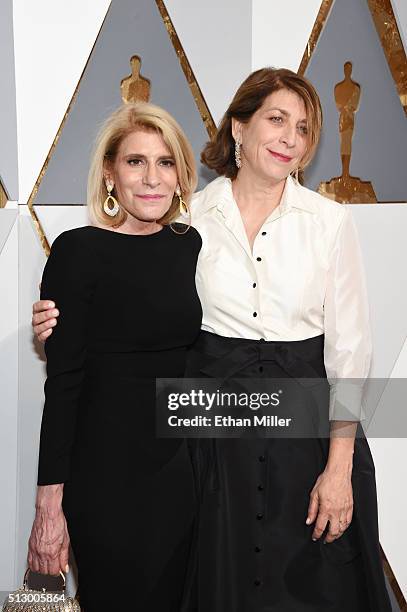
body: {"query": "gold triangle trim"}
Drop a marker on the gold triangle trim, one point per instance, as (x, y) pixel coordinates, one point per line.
(189, 74)
(43, 170)
(388, 32)
(40, 231)
(320, 21)
(3, 196)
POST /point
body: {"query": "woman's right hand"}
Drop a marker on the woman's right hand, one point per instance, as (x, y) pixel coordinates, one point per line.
(48, 546)
(44, 319)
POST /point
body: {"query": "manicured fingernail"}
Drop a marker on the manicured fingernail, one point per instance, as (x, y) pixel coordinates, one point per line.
(308, 521)
(66, 569)
(50, 305)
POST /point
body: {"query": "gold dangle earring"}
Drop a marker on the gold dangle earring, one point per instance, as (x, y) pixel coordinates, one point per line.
(111, 205)
(183, 206)
(238, 158)
(184, 211)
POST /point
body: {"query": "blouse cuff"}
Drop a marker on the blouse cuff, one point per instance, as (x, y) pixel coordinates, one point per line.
(345, 401)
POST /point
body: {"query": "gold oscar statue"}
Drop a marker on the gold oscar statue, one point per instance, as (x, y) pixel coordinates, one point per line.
(346, 188)
(135, 87)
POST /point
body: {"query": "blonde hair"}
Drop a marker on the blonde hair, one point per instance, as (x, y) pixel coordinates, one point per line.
(126, 119)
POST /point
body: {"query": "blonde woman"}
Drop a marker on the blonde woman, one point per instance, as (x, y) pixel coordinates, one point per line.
(124, 498)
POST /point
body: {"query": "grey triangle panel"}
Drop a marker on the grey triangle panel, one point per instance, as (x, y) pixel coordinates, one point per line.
(380, 132)
(8, 117)
(130, 28)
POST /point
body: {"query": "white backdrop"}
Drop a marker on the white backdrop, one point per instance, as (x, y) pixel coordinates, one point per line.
(51, 47)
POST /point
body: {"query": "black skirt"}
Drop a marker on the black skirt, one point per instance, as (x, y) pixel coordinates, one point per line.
(254, 551)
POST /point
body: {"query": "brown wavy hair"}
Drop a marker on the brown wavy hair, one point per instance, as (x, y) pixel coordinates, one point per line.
(219, 154)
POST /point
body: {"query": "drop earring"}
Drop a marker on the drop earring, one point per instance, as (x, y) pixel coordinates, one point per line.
(238, 159)
(183, 206)
(111, 206)
(184, 210)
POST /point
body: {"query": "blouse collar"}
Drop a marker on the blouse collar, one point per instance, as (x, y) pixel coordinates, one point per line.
(219, 194)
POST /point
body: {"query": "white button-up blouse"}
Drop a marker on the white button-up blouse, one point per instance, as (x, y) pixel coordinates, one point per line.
(303, 278)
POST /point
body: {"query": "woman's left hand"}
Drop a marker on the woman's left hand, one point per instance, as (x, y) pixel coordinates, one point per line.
(331, 500)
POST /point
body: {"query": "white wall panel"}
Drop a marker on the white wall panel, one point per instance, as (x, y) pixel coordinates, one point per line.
(382, 231)
(400, 368)
(8, 395)
(280, 31)
(390, 459)
(52, 42)
(390, 456)
(216, 37)
(57, 219)
(31, 380)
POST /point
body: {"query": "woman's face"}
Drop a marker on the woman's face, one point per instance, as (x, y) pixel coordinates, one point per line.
(144, 175)
(275, 139)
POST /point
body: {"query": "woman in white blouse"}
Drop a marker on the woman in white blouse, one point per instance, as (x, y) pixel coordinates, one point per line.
(287, 525)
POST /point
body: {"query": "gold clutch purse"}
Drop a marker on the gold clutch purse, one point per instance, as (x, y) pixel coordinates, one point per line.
(35, 600)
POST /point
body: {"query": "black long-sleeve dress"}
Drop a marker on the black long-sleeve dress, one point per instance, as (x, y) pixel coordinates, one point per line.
(129, 310)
